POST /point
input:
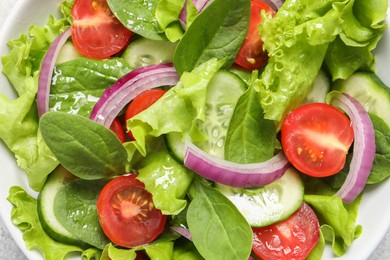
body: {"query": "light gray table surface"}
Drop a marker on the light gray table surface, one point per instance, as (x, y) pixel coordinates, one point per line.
(10, 250)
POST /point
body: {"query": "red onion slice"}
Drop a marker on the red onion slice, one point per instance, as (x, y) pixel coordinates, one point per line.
(363, 147)
(274, 4)
(182, 231)
(199, 4)
(234, 174)
(46, 72)
(117, 96)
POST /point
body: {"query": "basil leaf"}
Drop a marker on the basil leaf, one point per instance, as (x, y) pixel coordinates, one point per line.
(138, 16)
(250, 137)
(217, 228)
(77, 84)
(75, 208)
(85, 148)
(218, 32)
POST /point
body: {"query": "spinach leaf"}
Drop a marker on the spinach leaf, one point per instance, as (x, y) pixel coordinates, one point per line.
(218, 31)
(138, 16)
(381, 167)
(217, 228)
(77, 84)
(86, 148)
(250, 137)
(75, 208)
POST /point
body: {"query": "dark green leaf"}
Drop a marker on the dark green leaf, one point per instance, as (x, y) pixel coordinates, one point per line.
(75, 209)
(138, 16)
(78, 84)
(218, 32)
(250, 137)
(86, 148)
(217, 228)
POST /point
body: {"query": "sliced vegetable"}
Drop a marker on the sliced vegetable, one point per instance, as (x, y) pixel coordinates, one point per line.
(269, 204)
(274, 4)
(46, 71)
(45, 206)
(292, 238)
(371, 92)
(234, 174)
(142, 102)
(319, 89)
(127, 213)
(116, 97)
(252, 55)
(316, 138)
(142, 52)
(117, 128)
(96, 32)
(363, 147)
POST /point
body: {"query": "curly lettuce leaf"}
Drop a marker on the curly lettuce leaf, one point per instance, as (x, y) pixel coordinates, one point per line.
(155, 251)
(297, 41)
(167, 180)
(18, 117)
(364, 25)
(24, 215)
(338, 220)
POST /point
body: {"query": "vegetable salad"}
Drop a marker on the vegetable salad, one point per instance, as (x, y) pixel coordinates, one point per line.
(172, 129)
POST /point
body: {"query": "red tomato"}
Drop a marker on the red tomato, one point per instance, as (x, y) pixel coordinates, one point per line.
(251, 55)
(316, 138)
(142, 102)
(117, 128)
(292, 238)
(96, 32)
(127, 214)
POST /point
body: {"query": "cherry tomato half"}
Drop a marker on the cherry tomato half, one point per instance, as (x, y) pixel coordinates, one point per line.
(316, 138)
(127, 214)
(142, 102)
(293, 238)
(251, 55)
(96, 32)
(117, 128)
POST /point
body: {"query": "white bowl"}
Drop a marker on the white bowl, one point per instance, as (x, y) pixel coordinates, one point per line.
(374, 213)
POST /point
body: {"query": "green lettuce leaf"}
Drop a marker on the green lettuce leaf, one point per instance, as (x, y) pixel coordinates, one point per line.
(364, 25)
(18, 117)
(167, 180)
(297, 40)
(24, 215)
(167, 14)
(338, 220)
(156, 251)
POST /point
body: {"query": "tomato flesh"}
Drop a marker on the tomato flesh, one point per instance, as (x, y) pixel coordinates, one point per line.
(316, 138)
(96, 32)
(117, 128)
(251, 54)
(127, 214)
(293, 238)
(142, 102)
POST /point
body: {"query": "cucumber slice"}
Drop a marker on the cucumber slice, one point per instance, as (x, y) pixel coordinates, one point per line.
(269, 204)
(223, 92)
(370, 91)
(56, 180)
(319, 89)
(68, 52)
(143, 51)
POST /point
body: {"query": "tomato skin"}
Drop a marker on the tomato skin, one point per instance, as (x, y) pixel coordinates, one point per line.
(117, 128)
(293, 238)
(96, 32)
(316, 138)
(142, 102)
(127, 213)
(251, 55)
